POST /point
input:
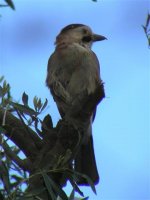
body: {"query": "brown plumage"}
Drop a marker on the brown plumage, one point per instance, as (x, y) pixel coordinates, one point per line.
(73, 70)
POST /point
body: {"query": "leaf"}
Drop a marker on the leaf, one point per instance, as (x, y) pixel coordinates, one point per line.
(35, 99)
(17, 178)
(90, 182)
(48, 186)
(144, 28)
(37, 103)
(1, 91)
(73, 180)
(4, 176)
(86, 198)
(25, 99)
(51, 184)
(47, 123)
(58, 189)
(10, 3)
(34, 192)
(24, 109)
(36, 121)
(17, 181)
(44, 105)
(66, 157)
(75, 186)
(5, 89)
(1, 78)
(148, 20)
(72, 194)
(15, 149)
(5, 85)
(3, 6)
(2, 130)
(1, 196)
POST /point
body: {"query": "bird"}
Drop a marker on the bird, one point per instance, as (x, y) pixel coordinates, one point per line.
(73, 71)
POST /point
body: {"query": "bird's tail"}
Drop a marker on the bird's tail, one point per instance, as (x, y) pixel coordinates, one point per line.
(85, 162)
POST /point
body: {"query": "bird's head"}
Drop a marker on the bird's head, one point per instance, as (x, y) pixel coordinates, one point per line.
(78, 33)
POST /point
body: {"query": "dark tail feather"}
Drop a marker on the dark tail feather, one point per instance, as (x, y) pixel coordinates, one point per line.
(85, 162)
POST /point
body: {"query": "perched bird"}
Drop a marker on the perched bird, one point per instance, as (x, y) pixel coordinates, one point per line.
(73, 71)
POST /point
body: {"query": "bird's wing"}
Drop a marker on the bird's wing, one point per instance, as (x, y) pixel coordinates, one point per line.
(69, 77)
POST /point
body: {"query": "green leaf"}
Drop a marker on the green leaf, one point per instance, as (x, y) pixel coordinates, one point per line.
(4, 176)
(17, 178)
(50, 183)
(44, 105)
(17, 181)
(36, 121)
(149, 41)
(47, 123)
(48, 186)
(3, 6)
(37, 103)
(86, 198)
(75, 186)
(144, 28)
(1, 78)
(58, 189)
(15, 149)
(34, 192)
(148, 20)
(25, 99)
(2, 130)
(24, 109)
(1, 196)
(10, 3)
(72, 194)
(90, 182)
(1, 92)
(5, 89)
(35, 99)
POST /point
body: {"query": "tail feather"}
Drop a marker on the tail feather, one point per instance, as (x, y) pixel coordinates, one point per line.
(85, 162)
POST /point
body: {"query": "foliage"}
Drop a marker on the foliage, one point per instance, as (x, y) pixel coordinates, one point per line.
(15, 174)
(8, 3)
(146, 28)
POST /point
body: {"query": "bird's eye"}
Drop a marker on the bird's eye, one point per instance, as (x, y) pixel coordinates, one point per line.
(85, 31)
(87, 38)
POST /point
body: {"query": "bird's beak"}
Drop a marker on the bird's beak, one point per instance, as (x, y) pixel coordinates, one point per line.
(97, 37)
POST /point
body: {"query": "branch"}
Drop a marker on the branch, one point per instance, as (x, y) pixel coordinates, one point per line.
(27, 141)
(65, 136)
(61, 146)
(23, 164)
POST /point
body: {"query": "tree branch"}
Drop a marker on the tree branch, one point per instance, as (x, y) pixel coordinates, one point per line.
(61, 146)
(23, 164)
(27, 141)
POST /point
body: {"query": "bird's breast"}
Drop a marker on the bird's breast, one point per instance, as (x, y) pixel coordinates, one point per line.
(76, 68)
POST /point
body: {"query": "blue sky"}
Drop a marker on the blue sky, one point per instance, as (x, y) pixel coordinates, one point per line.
(121, 128)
